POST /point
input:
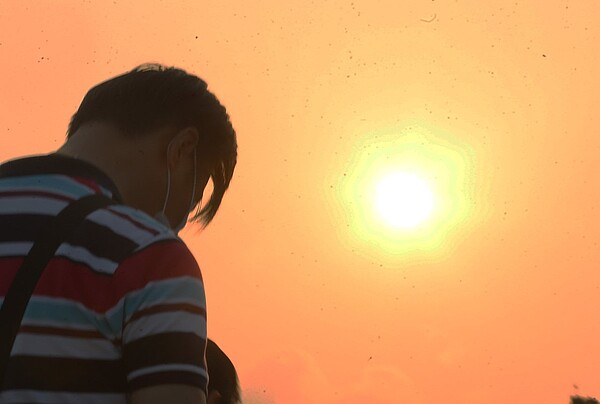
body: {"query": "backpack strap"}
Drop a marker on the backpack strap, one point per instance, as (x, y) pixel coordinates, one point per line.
(44, 248)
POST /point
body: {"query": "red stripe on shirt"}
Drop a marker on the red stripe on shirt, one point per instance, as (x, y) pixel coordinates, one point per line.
(91, 184)
(99, 292)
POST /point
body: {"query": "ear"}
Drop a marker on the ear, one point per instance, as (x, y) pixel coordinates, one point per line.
(182, 145)
(214, 397)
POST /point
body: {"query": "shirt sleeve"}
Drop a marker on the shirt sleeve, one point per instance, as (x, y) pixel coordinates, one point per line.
(164, 318)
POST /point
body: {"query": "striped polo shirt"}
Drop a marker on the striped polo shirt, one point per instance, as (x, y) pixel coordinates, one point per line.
(119, 307)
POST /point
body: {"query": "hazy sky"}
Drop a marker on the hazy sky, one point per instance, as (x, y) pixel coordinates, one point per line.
(495, 300)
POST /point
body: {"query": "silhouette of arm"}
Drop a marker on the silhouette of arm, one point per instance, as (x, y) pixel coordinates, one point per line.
(164, 325)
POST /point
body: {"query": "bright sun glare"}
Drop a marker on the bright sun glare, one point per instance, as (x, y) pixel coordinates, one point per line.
(403, 200)
(406, 190)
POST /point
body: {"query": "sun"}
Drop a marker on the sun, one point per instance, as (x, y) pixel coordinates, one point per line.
(403, 200)
(405, 193)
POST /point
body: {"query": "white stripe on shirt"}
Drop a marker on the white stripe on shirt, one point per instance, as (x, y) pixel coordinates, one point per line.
(174, 321)
(58, 346)
(166, 368)
(36, 205)
(81, 254)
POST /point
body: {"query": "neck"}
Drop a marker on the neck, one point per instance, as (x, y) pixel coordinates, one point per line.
(131, 164)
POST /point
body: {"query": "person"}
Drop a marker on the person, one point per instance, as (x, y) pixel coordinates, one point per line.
(583, 400)
(223, 383)
(119, 313)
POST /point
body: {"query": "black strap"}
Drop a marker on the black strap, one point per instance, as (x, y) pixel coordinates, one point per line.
(29, 273)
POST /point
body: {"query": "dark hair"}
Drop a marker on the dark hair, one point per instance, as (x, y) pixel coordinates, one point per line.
(222, 376)
(153, 96)
(583, 400)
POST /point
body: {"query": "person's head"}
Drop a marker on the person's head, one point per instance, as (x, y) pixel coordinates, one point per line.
(155, 130)
(223, 385)
(583, 400)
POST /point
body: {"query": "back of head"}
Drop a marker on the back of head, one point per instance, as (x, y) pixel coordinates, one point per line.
(222, 376)
(583, 400)
(151, 97)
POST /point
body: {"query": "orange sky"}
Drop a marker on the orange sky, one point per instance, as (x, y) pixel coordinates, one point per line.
(503, 310)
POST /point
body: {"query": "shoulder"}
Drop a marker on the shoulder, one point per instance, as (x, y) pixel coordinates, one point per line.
(151, 250)
(162, 259)
(135, 225)
(112, 235)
